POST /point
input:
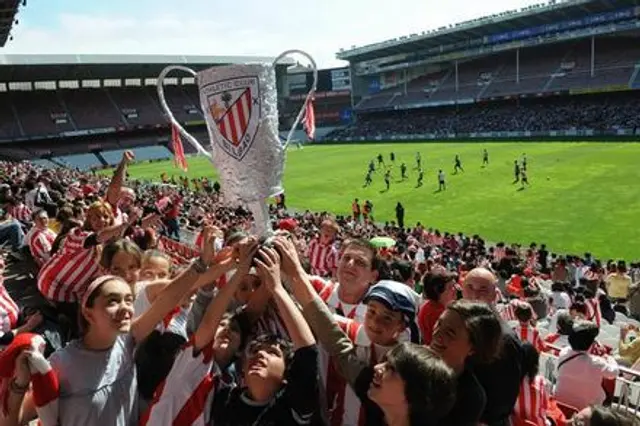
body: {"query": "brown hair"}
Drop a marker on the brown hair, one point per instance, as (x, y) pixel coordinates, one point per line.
(114, 247)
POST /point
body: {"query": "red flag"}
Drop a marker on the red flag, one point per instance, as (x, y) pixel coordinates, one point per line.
(178, 150)
(309, 121)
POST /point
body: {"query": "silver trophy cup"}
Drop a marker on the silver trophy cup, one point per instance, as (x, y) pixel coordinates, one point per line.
(240, 107)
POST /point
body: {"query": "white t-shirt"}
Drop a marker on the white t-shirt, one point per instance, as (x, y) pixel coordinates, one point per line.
(580, 378)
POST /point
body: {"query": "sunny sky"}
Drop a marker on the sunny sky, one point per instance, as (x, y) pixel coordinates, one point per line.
(246, 27)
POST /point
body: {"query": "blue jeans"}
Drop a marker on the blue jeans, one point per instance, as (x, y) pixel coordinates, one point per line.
(11, 232)
(173, 228)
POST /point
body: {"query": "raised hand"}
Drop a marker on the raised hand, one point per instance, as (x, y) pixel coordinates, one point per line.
(268, 267)
(151, 220)
(244, 252)
(128, 156)
(208, 251)
(289, 256)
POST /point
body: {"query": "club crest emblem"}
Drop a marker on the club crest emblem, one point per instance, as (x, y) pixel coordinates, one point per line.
(234, 107)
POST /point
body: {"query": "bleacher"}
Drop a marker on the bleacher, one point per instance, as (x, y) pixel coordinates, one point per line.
(145, 153)
(79, 161)
(545, 69)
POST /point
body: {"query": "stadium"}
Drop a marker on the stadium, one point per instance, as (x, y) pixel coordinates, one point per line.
(506, 145)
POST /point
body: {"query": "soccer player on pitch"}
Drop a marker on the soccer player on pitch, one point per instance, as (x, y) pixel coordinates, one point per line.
(403, 171)
(420, 177)
(516, 171)
(441, 183)
(367, 179)
(523, 178)
(418, 160)
(485, 158)
(458, 165)
(387, 178)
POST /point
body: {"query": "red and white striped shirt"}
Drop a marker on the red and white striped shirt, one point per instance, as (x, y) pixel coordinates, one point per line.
(40, 242)
(345, 408)
(65, 276)
(9, 311)
(532, 403)
(328, 292)
(21, 212)
(527, 333)
(507, 311)
(322, 257)
(185, 398)
(593, 311)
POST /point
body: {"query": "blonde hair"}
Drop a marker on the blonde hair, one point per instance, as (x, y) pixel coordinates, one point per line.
(99, 208)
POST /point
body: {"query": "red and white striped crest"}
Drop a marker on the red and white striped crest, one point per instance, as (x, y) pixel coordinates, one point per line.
(235, 109)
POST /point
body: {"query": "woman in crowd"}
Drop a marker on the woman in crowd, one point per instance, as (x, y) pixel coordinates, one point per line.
(439, 288)
(68, 273)
(533, 400)
(466, 331)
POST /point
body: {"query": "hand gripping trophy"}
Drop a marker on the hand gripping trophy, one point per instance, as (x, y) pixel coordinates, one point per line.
(240, 107)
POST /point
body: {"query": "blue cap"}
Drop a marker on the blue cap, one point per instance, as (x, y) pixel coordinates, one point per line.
(395, 296)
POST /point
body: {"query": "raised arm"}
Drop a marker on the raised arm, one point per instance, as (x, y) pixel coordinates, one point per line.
(218, 306)
(170, 295)
(328, 332)
(113, 191)
(268, 266)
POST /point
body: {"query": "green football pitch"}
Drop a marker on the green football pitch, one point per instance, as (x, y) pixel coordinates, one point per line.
(582, 197)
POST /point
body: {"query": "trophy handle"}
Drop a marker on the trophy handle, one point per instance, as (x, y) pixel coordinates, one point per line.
(167, 111)
(309, 95)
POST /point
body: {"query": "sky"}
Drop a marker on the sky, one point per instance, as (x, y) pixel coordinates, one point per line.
(244, 27)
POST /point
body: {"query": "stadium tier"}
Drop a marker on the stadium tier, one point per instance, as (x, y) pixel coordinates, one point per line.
(546, 69)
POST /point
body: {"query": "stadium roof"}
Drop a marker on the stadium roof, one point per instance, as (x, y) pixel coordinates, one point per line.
(502, 22)
(78, 67)
(8, 10)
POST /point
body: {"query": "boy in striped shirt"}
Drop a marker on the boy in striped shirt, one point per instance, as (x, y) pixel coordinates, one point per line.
(40, 238)
(525, 330)
(322, 252)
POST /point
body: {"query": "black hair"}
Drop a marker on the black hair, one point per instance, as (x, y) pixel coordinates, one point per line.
(270, 339)
(523, 311)
(579, 306)
(583, 334)
(564, 323)
(154, 358)
(429, 384)
(434, 284)
(530, 360)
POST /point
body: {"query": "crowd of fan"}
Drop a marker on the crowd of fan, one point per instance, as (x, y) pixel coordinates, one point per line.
(598, 113)
(315, 325)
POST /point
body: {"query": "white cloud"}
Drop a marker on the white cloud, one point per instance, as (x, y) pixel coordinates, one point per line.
(249, 27)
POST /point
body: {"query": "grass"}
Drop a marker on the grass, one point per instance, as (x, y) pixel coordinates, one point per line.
(583, 196)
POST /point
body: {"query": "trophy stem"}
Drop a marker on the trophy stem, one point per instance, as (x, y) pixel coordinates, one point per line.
(261, 221)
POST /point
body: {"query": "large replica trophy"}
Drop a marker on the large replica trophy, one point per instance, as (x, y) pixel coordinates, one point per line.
(240, 107)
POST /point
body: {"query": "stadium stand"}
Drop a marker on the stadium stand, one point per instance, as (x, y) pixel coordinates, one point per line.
(554, 59)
